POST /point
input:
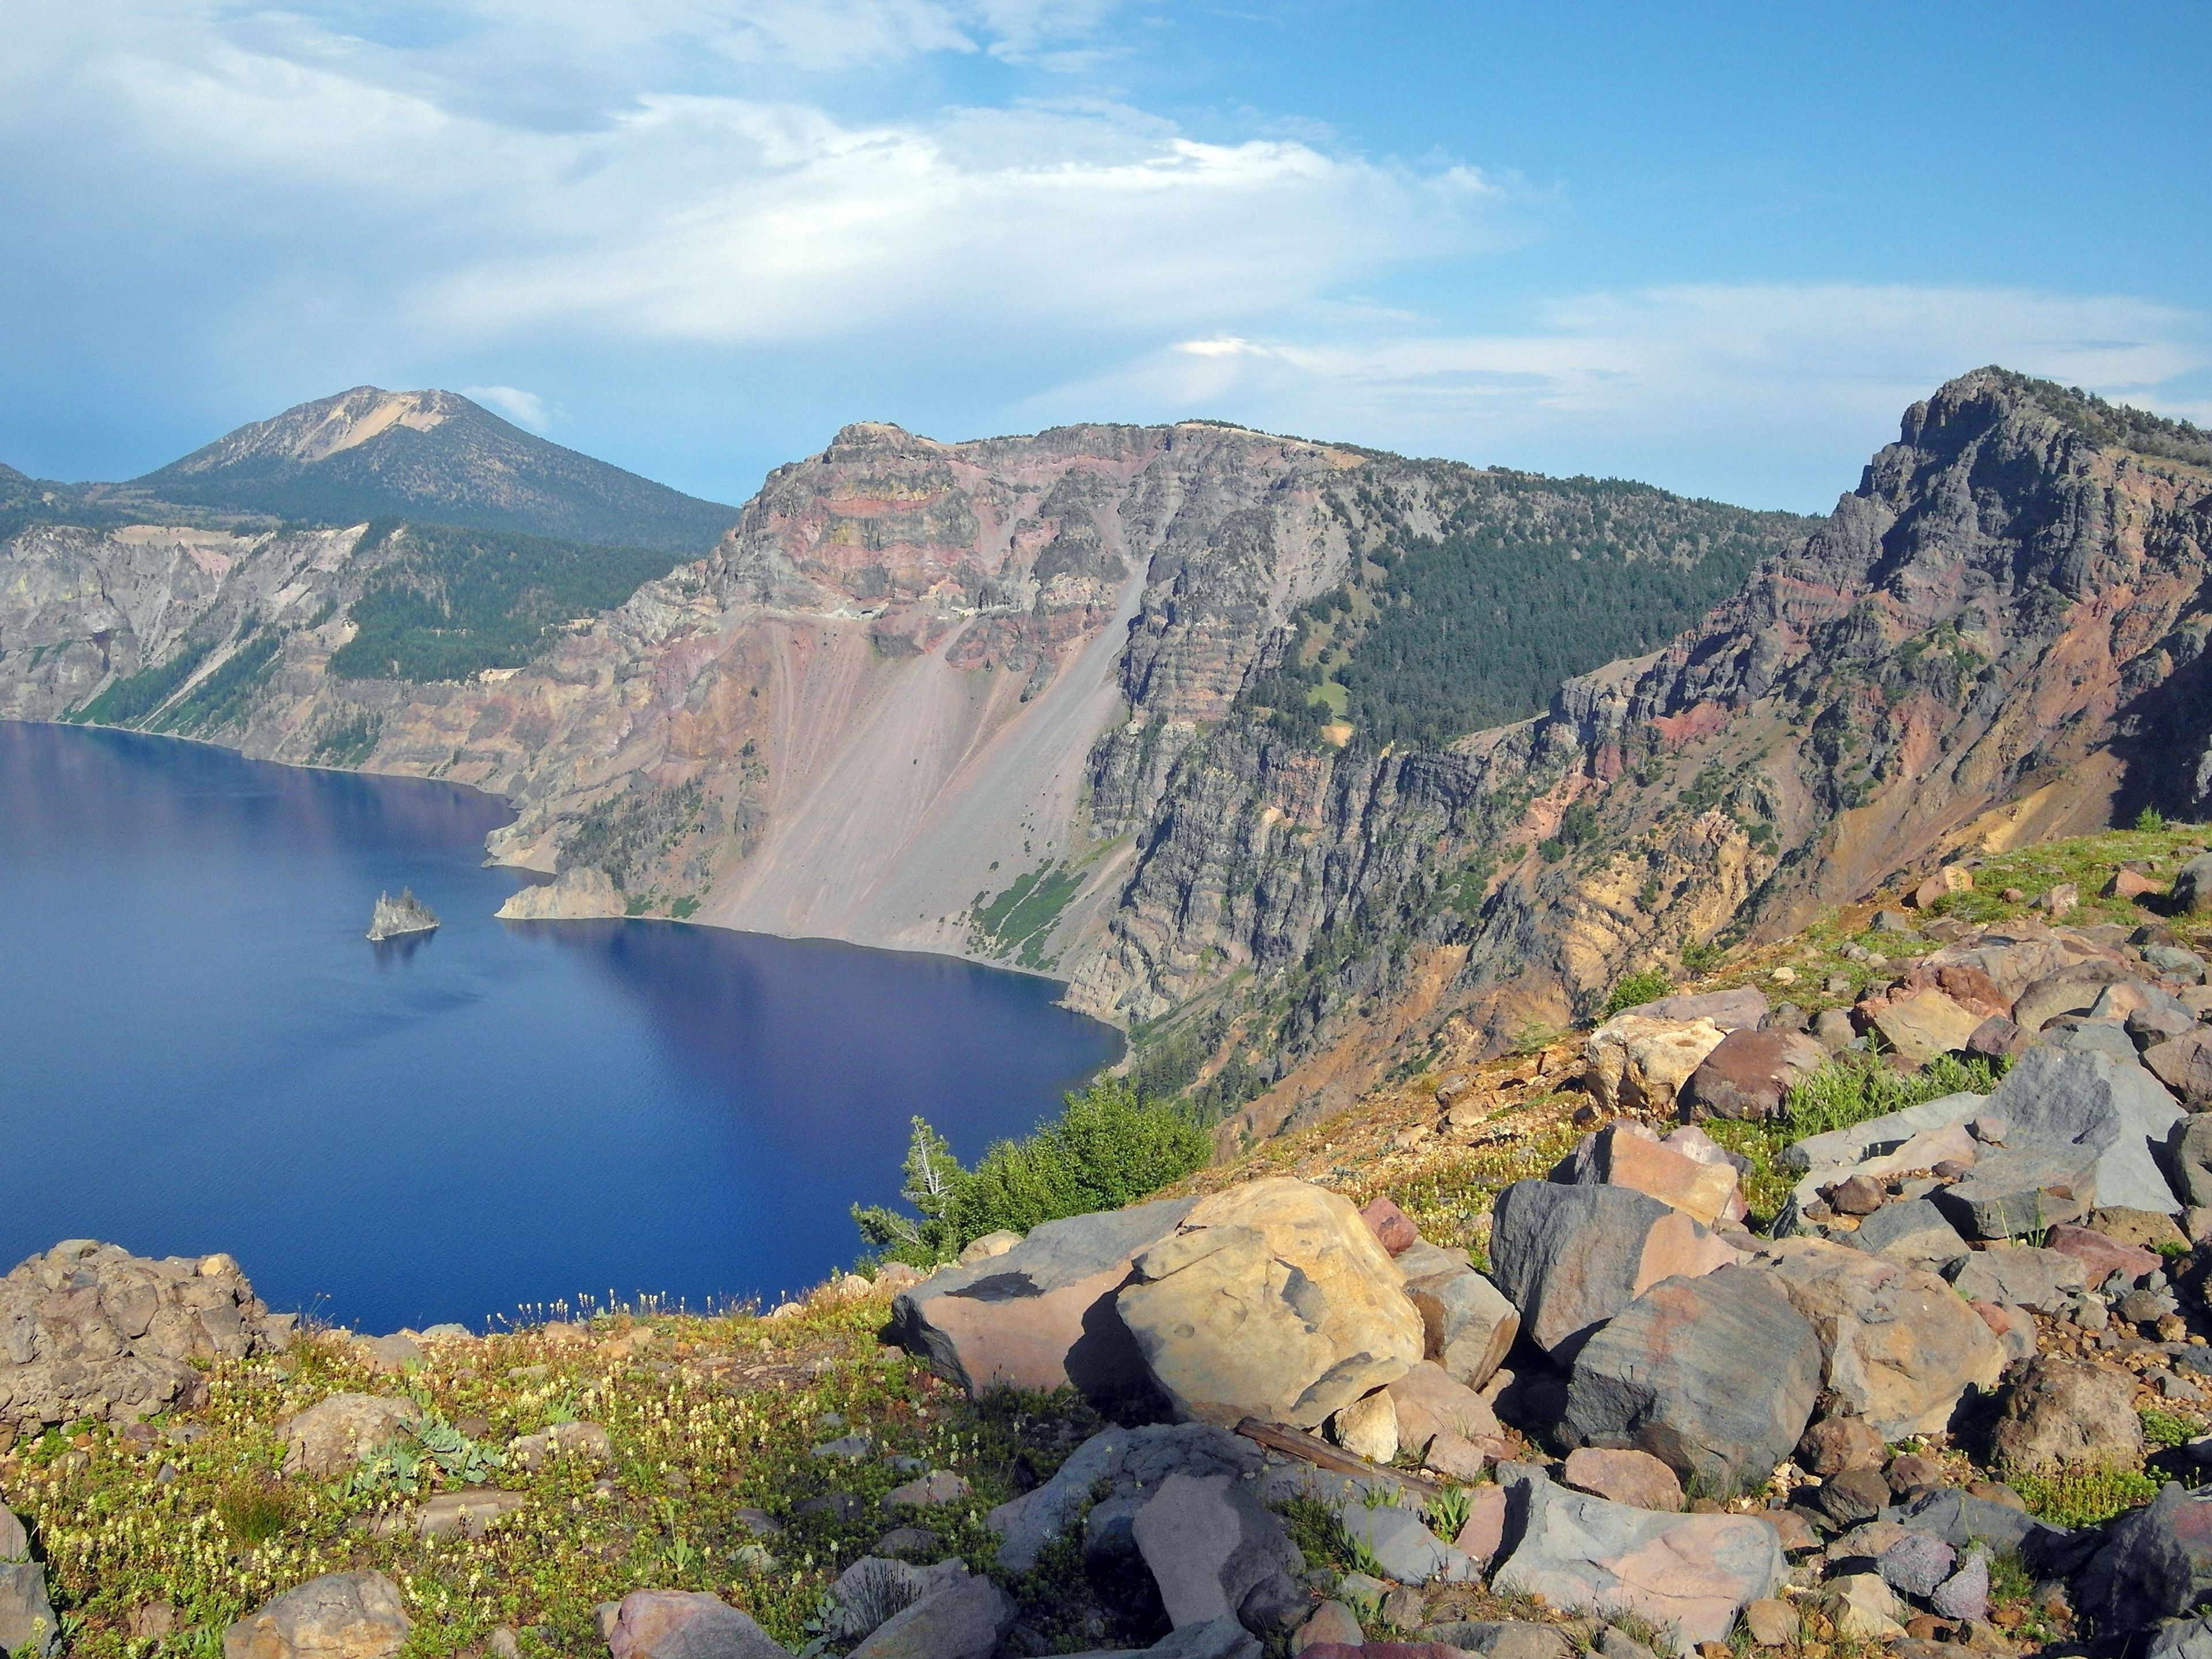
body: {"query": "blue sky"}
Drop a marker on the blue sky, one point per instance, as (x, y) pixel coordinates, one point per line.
(1719, 247)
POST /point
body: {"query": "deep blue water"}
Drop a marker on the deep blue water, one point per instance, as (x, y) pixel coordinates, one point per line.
(199, 1051)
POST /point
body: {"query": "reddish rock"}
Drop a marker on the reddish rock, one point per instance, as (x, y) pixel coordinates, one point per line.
(2069, 1412)
(2128, 883)
(2184, 1064)
(1485, 1530)
(1912, 1472)
(1856, 1194)
(1624, 1154)
(2014, 1328)
(1747, 1074)
(1836, 1444)
(1394, 1231)
(2103, 1256)
(1634, 1478)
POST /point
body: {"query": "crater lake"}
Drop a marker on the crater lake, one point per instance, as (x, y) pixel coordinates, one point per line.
(199, 1051)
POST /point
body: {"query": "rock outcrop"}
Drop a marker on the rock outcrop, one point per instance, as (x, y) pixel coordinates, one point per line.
(393, 918)
(89, 1330)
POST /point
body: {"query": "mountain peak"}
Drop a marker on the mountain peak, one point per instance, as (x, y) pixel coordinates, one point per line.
(431, 455)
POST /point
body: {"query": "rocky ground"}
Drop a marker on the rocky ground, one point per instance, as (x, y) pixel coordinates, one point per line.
(1854, 1297)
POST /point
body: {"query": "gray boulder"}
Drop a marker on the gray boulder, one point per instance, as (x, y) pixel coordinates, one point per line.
(1739, 1009)
(1405, 1549)
(1041, 1315)
(2176, 963)
(1716, 1376)
(2073, 989)
(93, 1331)
(2022, 1189)
(2191, 892)
(2192, 1159)
(1570, 1258)
(875, 1589)
(2098, 1036)
(27, 1617)
(2048, 1281)
(1960, 1519)
(1506, 1638)
(1120, 1468)
(2055, 1097)
(1225, 1638)
(1913, 1233)
(965, 1621)
(334, 1435)
(1689, 1575)
(1215, 1551)
(1468, 1325)
(2185, 1638)
(2155, 1563)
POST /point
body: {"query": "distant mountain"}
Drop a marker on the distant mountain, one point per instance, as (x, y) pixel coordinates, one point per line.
(434, 456)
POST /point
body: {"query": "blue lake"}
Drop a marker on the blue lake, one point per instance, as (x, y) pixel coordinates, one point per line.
(200, 1052)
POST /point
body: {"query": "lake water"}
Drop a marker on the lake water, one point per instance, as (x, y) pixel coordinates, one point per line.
(200, 1052)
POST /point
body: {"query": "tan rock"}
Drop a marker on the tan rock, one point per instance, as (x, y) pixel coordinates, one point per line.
(2064, 1411)
(1629, 1155)
(1925, 1025)
(656, 1624)
(577, 895)
(1332, 1622)
(1368, 1428)
(333, 1436)
(1634, 1478)
(990, 1244)
(1899, 1346)
(1428, 1403)
(1639, 1062)
(1772, 1622)
(1274, 1300)
(1866, 1608)
(341, 1615)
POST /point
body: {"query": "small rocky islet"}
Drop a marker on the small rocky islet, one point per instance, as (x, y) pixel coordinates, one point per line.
(1874, 1318)
(397, 918)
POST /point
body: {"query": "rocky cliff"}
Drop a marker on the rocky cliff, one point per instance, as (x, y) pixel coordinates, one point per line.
(1196, 717)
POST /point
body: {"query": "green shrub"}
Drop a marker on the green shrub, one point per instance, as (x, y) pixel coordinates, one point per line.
(2084, 1497)
(2150, 821)
(1109, 1146)
(1854, 1087)
(1634, 990)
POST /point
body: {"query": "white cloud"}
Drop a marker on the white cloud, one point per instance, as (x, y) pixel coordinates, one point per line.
(1711, 386)
(524, 408)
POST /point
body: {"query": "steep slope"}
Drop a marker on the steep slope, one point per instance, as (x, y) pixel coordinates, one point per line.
(871, 713)
(1998, 636)
(368, 454)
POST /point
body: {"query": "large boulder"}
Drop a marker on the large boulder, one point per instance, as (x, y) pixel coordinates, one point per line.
(1271, 1300)
(1467, 1324)
(1570, 1258)
(27, 1625)
(1716, 1376)
(2068, 1412)
(341, 1615)
(2155, 1563)
(1898, 1347)
(2059, 1095)
(1689, 1575)
(2184, 1064)
(1735, 1009)
(1041, 1314)
(2073, 989)
(89, 1330)
(658, 1623)
(2018, 1190)
(1108, 1479)
(1639, 1061)
(1625, 1154)
(1750, 1073)
(2191, 892)
(966, 1620)
(1216, 1552)
(1926, 1023)
(333, 1435)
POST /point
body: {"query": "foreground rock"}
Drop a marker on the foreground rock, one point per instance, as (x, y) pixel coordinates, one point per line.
(653, 1624)
(27, 1625)
(333, 1436)
(341, 1615)
(93, 1331)
(1571, 1257)
(2155, 1563)
(1041, 1315)
(1898, 1347)
(1215, 1551)
(965, 1621)
(2062, 1095)
(2066, 1413)
(1689, 1574)
(1271, 1300)
(1108, 1479)
(1639, 1061)
(1716, 1376)
(1467, 1324)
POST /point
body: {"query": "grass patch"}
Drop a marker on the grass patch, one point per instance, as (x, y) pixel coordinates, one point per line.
(2163, 1429)
(1854, 1088)
(2084, 1497)
(1015, 924)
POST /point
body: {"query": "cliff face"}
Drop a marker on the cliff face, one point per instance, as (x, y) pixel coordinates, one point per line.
(1135, 704)
(1999, 635)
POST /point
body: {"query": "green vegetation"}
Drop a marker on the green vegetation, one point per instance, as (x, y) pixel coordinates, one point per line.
(2116, 425)
(347, 740)
(626, 835)
(222, 697)
(1109, 1146)
(1634, 990)
(447, 603)
(1016, 924)
(1532, 580)
(2084, 1497)
(132, 698)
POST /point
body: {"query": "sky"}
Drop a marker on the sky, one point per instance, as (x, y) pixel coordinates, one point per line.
(1720, 247)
